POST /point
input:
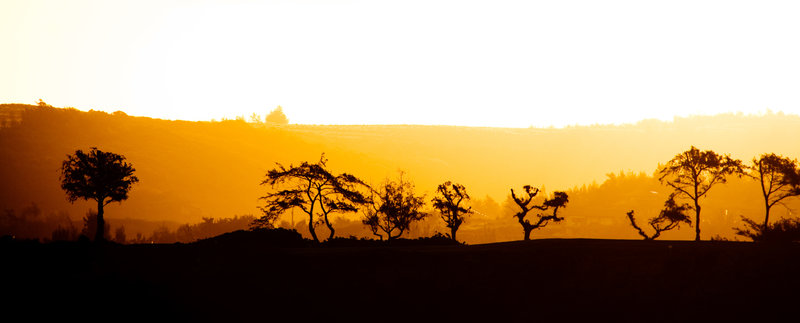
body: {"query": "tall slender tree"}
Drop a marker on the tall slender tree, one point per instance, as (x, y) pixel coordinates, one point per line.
(449, 204)
(526, 205)
(779, 179)
(97, 175)
(693, 173)
(314, 190)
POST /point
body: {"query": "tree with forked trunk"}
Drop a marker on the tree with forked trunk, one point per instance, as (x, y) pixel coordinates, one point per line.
(314, 190)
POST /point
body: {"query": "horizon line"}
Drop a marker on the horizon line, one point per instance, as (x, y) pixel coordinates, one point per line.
(762, 113)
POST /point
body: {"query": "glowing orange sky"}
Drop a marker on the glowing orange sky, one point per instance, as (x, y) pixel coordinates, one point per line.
(492, 63)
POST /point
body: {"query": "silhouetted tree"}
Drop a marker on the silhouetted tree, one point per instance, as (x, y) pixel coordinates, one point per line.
(779, 179)
(97, 175)
(448, 203)
(277, 116)
(393, 207)
(669, 218)
(692, 174)
(310, 187)
(559, 200)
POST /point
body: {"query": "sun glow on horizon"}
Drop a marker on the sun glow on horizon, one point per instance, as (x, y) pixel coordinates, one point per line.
(503, 63)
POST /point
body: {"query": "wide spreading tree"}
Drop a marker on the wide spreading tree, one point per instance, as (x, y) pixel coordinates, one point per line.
(312, 188)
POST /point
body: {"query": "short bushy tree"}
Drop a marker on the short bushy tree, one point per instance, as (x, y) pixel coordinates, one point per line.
(392, 208)
(448, 202)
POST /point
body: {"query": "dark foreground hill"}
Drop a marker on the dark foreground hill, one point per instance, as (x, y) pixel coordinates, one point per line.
(543, 280)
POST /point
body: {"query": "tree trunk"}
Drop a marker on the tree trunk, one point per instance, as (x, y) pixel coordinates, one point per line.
(453, 233)
(766, 221)
(311, 228)
(99, 235)
(528, 231)
(330, 226)
(655, 235)
(394, 237)
(696, 220)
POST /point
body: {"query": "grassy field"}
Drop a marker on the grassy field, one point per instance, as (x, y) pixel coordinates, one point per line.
(540, 280)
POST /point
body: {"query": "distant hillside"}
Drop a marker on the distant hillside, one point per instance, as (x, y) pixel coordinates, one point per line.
(190, 170)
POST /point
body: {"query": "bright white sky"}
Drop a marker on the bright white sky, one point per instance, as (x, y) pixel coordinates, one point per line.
(477, 63)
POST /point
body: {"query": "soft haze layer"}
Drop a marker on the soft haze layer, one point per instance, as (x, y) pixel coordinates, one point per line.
(478, 63)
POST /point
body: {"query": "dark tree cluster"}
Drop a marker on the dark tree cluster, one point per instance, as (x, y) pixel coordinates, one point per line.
(391, 208)
(783, 230)
(692, 173)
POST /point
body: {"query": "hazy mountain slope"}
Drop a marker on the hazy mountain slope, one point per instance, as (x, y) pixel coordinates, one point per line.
(190, 170)
(492, 160)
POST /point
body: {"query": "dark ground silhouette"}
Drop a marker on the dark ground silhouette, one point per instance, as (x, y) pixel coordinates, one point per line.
(540, 280)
